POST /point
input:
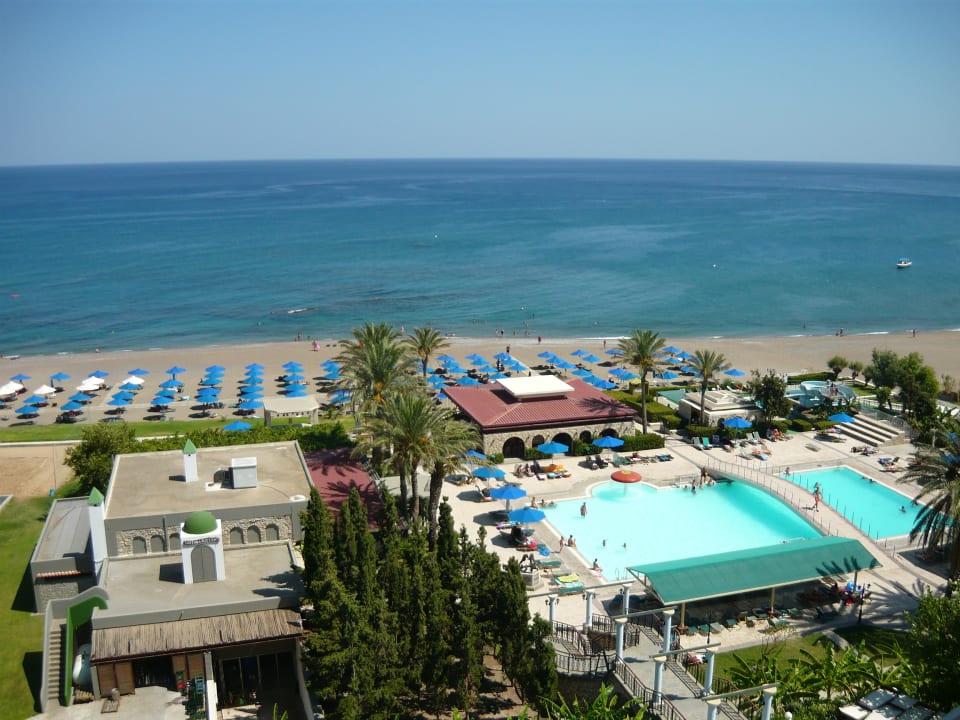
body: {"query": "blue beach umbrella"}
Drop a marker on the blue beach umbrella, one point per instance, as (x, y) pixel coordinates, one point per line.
(253, 366)
(563, 364)
(602, 384)
(467, 381)
(445, 358)
(175, 370)
(28, 410)
(619, 372)
(19, 377)
(237, 426)
(456, 369)
(330, 365)
(80, 397)
(297, 392)
(497, 376)
(516, 366)
(551, 448)
(138, 371)
(441, 396)
(590, 359)
(579, 353)
(58, 377)
(332, 376)
(161, 401)
(607, 441)
(250, 404)
(526, 515)
(841, 417)
(733, 372)
(131, 387)
(582, 373)
(292, 364)
(171, 383)
(215, 370)
(669, 375)
(546, 355)
(294, 378)
(684, 355)
(123, 395)
(72, 407)
(436, 381)
(502, 356)
(614, 351)
(35, 400)
(251, 396)
(474, 356)
(250, 389)
(671, 349)
(489, 473)
(629, 376)
(118, 402)
(338, 398)
(99, 374)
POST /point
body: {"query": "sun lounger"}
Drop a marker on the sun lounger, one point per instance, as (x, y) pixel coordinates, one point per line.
(730, 623)
(703, 629)
(568, 584)
(705, 442)
(716, 627)
(548, 562)
(751, 620)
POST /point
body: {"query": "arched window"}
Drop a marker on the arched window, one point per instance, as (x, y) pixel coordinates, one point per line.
(139, 545)
(156, 544)
(514, 448)
(175, 541)
(273, 532)
(253, 534)
(236, 536)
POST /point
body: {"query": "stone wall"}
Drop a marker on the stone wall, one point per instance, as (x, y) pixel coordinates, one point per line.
(494, 442)
(128, 540)
(47, 589)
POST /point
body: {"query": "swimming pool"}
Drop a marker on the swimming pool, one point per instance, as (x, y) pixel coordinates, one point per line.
(673, 523)
(871, 506)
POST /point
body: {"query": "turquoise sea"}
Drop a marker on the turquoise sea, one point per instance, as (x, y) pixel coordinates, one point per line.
(164, 255)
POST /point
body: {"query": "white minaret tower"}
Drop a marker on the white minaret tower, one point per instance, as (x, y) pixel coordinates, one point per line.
(190, 462)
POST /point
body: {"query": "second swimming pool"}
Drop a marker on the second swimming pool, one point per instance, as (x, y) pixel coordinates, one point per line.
(627, 525)
(876, 509)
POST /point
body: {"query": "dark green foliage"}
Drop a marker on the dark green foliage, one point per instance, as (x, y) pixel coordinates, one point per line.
(92, 460)
(701, 431)
(803, 377)
(800, 425)
(770, 392)
(635, 443)
(824, 424)
(495, 458)
(532, 453)
(603, 707)
(670, 420)
(537, 670)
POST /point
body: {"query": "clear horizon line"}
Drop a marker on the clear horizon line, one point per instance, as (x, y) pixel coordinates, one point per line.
(940, 166)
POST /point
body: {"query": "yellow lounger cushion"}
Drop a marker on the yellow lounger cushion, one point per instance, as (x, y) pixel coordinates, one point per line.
(568, 578)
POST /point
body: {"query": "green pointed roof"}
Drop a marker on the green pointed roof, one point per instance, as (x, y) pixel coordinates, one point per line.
(200, 522)
(96, 497)
(189, 448)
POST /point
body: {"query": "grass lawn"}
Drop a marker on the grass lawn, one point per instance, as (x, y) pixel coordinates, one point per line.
(22, 660)
(790, 649)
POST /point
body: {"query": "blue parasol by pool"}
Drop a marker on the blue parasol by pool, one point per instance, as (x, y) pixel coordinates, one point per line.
(552, 448)
(737, 423)
(508, 492)
(237, 426)
(841, 417)
(475, 455)
(489, 473)
(526, 515)
(607, 441)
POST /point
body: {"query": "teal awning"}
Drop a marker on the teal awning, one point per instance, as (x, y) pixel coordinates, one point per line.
(729, 573)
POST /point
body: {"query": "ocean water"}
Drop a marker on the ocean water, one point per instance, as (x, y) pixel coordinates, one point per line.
(164, 255)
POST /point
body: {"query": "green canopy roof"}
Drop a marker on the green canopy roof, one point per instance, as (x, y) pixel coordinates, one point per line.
(729, 573)
(200, 522)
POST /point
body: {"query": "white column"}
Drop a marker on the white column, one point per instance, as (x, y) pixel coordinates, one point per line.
(708, 678)
(625, 592)
(712, 705)
(667, 628)
(660, 661)
(620, 627)
(588, 595)
(552, 601)
(768, 694)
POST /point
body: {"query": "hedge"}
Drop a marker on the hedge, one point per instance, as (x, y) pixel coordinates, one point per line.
(796, 379)
(824, 424)
(650, 441)
(801, 425)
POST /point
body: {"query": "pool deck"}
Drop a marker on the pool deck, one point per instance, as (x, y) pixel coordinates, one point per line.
(894, 587)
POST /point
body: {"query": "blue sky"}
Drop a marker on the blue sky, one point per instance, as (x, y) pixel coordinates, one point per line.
(90, 82)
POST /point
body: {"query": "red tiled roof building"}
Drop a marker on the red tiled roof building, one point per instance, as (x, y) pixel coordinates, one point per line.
(518, 413)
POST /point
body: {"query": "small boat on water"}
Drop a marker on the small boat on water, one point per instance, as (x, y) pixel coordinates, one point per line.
(904, 263)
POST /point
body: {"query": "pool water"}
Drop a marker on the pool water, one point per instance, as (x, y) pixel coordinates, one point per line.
(868, 504)
(672, 523)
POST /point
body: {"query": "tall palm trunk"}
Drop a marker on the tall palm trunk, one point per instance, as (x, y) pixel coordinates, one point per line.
(415, 492)
(643, 399)
(433, 504)
(404, 495)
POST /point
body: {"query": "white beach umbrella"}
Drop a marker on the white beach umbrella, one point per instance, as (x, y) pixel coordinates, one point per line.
(45, 390)
(133, 379)
(10, 388)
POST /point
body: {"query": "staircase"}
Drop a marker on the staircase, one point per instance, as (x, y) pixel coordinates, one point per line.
(54, 664)
(871, 432)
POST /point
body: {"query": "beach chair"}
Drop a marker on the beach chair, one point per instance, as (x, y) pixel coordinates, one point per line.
(730, 623)
(705, 443)
(716, 627)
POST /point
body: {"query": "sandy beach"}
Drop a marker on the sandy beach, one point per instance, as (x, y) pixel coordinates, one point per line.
(940, 350)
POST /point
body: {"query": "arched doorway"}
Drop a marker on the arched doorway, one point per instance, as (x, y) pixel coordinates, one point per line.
(514, 448)
(563, 438)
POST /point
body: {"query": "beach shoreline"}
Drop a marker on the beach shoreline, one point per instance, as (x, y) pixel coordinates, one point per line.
(793, 354)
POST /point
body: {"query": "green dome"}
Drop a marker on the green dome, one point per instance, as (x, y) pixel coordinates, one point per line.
(200, 523)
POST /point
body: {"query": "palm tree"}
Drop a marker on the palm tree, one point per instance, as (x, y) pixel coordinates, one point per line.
(707, 363)
(640, 348)
(406, 424)
(452, 439)
(424, 342)
(938, 474)
(374, 365)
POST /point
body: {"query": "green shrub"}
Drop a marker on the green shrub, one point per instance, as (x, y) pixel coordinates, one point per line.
(670, 420)
(801, 425)
(634, 443)
(495, 458)
(796, 379)
(824, 424)
(534, 454)
(580, 448)
(701, 430)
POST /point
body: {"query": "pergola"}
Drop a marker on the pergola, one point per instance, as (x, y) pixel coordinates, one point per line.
(280, 407)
